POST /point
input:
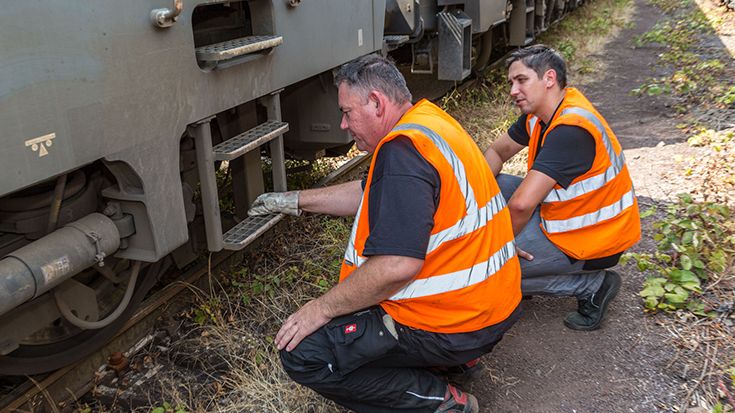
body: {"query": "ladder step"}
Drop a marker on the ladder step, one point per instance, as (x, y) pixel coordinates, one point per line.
(238, 47)
(242, 234)
(249, 140)
(396, 39)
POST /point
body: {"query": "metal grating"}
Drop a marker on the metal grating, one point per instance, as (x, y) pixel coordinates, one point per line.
(237, 47)
(242, 234)
(396, 39)
(249, 140)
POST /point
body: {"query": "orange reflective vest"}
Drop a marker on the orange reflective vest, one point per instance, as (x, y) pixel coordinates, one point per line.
(471, 275)
(597, 215)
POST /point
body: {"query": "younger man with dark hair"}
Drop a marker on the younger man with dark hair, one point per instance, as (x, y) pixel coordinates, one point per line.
(575, 212)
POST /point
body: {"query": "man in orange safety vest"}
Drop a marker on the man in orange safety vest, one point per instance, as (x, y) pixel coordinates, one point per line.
(575, 212)
(430, 276)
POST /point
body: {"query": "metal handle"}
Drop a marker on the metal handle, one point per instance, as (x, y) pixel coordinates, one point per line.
(167, 17)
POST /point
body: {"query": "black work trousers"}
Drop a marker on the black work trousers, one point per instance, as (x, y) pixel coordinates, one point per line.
(357, 361)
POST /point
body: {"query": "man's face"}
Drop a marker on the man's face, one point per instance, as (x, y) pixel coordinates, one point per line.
(526, 88)
(359, 117)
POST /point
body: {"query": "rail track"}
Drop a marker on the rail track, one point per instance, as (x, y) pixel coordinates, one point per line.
(57, 391)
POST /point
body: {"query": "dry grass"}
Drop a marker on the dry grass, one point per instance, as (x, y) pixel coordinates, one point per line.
(230, 328)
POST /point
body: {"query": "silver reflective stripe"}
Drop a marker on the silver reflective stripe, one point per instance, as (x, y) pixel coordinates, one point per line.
(441, 398)
(532, 121)
(470, 223)
(586, 220)
(457, 280)
(459, 171)
(595, 182)
(351, 254)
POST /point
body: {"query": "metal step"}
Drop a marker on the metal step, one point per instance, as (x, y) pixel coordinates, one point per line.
(249, 140)
(242, 234)
(238, 47)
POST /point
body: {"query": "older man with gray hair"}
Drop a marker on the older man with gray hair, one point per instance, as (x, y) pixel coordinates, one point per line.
(430, 277)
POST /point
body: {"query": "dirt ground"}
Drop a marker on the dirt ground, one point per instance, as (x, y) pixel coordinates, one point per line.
(629, 364)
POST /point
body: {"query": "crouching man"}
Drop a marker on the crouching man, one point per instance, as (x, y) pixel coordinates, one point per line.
(430, 277)
(575, 212)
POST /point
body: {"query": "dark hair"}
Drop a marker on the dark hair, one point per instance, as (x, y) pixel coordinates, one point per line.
(374, 72)
(541, 58)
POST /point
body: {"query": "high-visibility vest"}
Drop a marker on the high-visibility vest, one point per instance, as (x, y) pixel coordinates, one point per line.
(597, 215)
(470, 278)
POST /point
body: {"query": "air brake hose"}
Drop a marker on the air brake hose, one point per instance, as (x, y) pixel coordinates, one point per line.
(92, 325)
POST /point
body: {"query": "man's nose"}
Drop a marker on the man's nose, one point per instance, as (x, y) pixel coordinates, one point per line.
(514, 90)
(343, 124)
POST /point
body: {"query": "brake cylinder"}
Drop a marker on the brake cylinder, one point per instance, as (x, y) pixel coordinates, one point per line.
(32, 270)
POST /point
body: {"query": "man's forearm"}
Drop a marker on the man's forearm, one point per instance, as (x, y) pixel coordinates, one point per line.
(519, 218)
(376, 280)
(494, 160)
(339, 200)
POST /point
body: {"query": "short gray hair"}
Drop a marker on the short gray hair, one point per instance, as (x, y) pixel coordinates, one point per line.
(541, 58)
(374, 72)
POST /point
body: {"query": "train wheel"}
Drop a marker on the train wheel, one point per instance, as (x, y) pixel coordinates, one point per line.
(37, 359)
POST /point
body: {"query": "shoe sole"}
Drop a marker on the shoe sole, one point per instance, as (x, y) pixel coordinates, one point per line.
(611, 294)
(472, 404)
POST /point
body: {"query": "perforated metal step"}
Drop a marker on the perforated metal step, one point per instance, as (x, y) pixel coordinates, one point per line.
(396, 39)
(248, 230)
(249, 140)
(238, 47)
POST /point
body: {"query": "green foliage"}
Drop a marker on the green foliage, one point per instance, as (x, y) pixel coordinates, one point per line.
(670, 6)
(694, 241)
(654, 87)
(717, 140)
(254, 285)
(167, 408)
(206, 312)
(692, 78)
(567, 49)
(728, 97)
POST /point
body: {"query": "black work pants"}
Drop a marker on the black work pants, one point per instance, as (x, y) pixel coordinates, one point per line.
(356, 361)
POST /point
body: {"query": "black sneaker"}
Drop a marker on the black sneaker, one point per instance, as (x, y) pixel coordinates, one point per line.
(591, 311)
(457, 401)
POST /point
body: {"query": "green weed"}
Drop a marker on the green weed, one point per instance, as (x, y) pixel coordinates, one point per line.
(696, 242)
(691, 79)
(167, 408)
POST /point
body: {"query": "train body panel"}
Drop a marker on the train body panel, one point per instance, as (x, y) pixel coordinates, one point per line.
(87, 80)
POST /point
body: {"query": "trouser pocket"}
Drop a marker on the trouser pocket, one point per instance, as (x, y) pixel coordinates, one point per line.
(360, 338)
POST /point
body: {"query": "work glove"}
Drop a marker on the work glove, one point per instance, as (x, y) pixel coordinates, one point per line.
(276, 202)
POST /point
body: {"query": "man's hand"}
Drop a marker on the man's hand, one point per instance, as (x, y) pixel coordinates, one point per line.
(524, 254)
(300, 324)
(276, 202)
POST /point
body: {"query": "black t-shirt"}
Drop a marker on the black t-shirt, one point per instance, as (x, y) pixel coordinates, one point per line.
(403, 198)
(556, 158)
(568, 152)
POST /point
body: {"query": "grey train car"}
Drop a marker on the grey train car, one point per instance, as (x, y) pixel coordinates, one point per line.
(115, 115)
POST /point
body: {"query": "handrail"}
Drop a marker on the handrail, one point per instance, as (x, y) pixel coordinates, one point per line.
(167, 17)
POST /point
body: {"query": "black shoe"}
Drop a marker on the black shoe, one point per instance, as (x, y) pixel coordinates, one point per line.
(591, 311)
(457, 401)
(463, 374)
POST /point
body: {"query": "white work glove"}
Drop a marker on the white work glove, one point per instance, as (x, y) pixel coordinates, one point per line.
(276, 202)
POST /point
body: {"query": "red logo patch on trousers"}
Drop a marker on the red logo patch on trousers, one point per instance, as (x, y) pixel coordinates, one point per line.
(350, 328)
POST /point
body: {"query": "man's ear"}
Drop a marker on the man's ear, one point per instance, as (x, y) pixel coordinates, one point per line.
(550, 78)
(376, 100)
